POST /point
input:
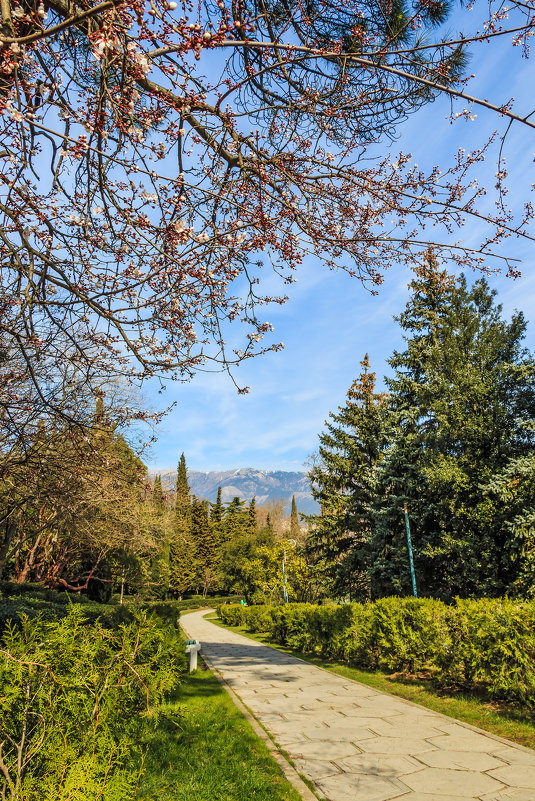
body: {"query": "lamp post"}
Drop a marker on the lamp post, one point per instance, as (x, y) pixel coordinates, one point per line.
(409, 544)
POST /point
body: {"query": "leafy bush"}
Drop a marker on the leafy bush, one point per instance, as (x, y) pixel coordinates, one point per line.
(28, 600)
(75, 700)
(18, 601)
(235, 614)
(486, 643)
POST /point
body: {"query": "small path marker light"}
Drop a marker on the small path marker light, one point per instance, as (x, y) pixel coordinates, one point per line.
(192, 648)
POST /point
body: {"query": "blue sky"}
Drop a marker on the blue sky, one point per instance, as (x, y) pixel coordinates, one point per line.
(331, 321)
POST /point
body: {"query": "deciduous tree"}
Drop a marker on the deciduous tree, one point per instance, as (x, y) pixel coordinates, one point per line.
(141, 182)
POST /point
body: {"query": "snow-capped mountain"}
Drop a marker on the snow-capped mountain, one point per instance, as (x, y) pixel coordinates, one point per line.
(246, 483)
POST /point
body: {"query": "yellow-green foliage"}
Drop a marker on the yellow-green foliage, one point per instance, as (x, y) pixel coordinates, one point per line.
(486, 643)
(75, 699)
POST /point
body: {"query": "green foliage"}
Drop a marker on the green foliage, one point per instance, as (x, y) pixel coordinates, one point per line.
(182, 563)
(484, 644)
(252, 567)
(343, 481)
(29, 600)
(454, 440)
(462, 402)
(295, 529)
(76, 699)
(213, 755)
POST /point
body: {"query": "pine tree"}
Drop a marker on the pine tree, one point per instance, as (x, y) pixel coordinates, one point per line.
(295, 528)
(460, 400)
(182, 550)
(343, 483)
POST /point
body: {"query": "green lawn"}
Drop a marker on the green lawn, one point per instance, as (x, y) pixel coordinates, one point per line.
(514, 722)
(212, 754)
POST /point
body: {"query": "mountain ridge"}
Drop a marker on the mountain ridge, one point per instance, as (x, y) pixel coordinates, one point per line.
(246, 483)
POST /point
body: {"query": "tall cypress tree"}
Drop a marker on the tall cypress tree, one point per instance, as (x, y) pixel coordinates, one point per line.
(203, 540)
(160, 566)
(295, 528)
(157, 494)
(182, 550)
(216, 512)
(251, 528)
(343, 483)
(461, 403)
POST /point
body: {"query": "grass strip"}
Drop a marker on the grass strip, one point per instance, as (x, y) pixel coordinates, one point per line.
(212, 754)
(515, 722)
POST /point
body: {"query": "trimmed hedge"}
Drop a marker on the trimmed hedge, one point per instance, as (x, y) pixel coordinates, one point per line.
(18, 601)
(484, 644)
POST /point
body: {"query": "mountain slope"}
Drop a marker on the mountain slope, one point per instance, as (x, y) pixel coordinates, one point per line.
(246, 483)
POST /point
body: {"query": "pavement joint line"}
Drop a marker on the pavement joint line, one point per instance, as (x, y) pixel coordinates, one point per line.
(432, 755)
(282, 761)
(448, 718)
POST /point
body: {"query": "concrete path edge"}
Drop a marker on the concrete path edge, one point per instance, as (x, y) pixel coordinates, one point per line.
(287, 768)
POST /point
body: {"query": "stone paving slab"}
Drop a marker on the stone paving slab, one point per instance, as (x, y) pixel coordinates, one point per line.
(355, 743)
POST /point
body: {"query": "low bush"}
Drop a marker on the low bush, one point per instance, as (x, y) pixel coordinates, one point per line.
(484, 644)
(75, 700)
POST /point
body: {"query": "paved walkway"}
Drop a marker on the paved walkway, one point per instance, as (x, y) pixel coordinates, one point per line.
(357, 744)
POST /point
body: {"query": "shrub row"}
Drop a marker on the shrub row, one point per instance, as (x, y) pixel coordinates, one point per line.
(484, 644)
(18, 601)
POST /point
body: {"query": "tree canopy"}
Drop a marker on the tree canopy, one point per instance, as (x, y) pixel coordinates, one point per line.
(150, 154)
(453, 440)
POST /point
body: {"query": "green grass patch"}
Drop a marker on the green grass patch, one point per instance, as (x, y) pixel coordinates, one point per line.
(515, 722)
(209, 751)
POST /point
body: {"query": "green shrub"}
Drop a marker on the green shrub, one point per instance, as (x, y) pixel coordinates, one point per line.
(487, 643)
(232, 614)
(75, 700)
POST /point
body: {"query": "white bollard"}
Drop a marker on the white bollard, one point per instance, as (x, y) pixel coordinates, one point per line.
(192, 648)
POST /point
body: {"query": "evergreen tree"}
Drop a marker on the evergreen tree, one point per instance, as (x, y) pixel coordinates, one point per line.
(295, 528)
(203, 540)
(235, 520)
(267, 534)
(216, 512)
(343, 480)
(251, 529)
(159, 524)
(182, 550)
(157, 494)
(461, 401)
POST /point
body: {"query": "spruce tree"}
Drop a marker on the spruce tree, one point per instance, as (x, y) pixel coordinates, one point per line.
(343, 479)
(461, 399)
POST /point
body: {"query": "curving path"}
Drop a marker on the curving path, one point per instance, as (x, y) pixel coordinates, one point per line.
(358, 744)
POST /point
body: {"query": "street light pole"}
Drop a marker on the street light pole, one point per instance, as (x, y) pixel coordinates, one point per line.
(284, 590)
(409, 543)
